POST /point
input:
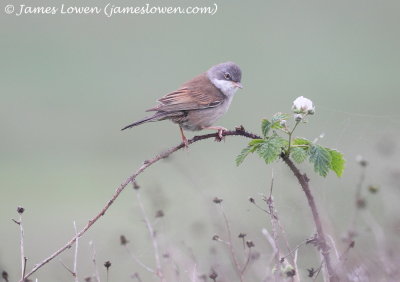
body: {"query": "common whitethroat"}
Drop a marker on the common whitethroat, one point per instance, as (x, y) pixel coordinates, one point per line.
(198, 103)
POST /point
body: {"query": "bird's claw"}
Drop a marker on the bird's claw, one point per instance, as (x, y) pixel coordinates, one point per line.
(220, 134)
(185, 142)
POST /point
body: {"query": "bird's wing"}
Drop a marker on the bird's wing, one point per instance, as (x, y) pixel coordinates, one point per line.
(199, 93)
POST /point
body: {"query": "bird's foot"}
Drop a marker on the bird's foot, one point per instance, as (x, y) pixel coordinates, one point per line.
(220, 132)
(185, 142)
(184, 139)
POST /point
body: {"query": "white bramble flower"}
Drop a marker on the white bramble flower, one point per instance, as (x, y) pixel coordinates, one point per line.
(303, 106)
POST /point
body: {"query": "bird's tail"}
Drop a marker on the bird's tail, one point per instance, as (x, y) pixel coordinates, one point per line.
(155, 117)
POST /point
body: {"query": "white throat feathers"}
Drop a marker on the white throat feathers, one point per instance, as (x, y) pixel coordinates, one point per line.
(227, 87)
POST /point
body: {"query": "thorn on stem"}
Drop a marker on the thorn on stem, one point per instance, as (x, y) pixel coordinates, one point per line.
(239, 128)
(16, 221)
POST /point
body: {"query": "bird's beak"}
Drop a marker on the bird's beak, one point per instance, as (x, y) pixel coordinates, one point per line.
(238, 85)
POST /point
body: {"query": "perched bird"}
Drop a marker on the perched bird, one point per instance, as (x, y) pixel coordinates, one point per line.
(198, 103)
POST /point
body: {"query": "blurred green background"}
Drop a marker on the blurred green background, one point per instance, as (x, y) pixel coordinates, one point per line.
(69, 83)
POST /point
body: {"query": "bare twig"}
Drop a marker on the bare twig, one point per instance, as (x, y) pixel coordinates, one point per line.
(274, 223)
(137, 277)
(318, 270)
(194, 275)
(271, 241)
(67, 268)
(76, 254)
(277, 234)
(295, 249)
(96, 271)
(138, 261)
(20, 211)
(359, 204)
(229, 243)
(322, 244)
(107, 265)
(238, 132)
(152, 234)
(247, 262)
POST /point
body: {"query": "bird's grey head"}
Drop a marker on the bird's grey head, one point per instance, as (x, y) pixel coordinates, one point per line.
(226, 77)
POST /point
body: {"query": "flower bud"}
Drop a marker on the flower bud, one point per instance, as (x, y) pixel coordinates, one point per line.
(298, 117)
(373, 189)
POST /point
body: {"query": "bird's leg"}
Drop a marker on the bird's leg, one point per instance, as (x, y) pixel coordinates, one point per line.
(184, 139)
(219, 129)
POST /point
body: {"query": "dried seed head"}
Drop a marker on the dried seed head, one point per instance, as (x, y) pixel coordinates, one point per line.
(217, 200)
(311, 272)
(373, 189)
(4, 275)
(249, 244)
(135, 185)
(361, 203)
(289, 271)
(159, 213)
(123, 240)
(255, 256)
(242, 235)
(362, 162)
(107, 264)
(213, 275)
(20, 210)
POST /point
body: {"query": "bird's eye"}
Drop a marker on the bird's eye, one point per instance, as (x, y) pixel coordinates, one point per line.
(227, 76)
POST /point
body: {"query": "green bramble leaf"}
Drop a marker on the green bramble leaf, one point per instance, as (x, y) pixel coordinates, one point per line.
(243, 154)
(301, 141)
(321, 158)
(298, 154)
(277, 120)
(253, 145)
(271, 148)
(337, 161)
(265, 127)
(278, 117)
(255, 142)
